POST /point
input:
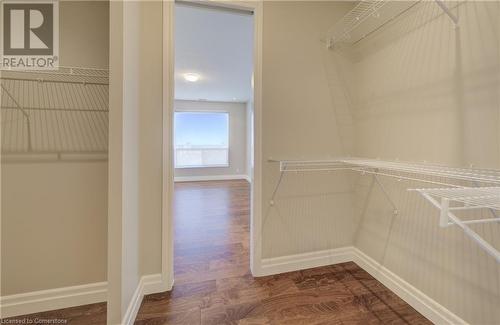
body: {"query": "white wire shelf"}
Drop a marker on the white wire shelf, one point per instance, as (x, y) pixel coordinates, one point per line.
(398, 169)
(467, 197)
(448, 200)
(369, 16)
(366, 17)
(54, 113)
(79, 75)
(466, 188)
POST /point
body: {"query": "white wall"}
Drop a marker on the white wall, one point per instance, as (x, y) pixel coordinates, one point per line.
(237, 140)
(83, 33)
(250, 139)
(136, 119)
(54, 214)
(54, 225)
(424, 90)
(311, 212)
(150, 136)
(123, 265)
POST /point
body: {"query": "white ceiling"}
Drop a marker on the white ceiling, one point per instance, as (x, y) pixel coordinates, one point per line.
(217, 45)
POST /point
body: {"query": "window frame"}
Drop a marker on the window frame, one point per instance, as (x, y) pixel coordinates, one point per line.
(198, 111)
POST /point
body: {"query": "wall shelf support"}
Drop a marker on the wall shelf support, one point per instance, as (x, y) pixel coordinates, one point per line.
(454, 197)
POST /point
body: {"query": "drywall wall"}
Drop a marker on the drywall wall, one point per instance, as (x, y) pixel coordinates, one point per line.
(115, 151)
(249, 140)
(237, 139)
(130, 151)
(136, 122)
(311, 212)
(54, 214)
(54, 226)
(425, 90)
(83, 33)
(124, 257)
(150, 136)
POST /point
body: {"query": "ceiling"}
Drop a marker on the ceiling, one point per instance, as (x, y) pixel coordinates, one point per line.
(217, 45)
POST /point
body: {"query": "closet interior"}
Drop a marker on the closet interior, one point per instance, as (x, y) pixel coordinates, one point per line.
(377, 142)
(54, 152)
(410, 175)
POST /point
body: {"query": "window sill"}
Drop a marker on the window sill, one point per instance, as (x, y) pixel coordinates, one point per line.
(210, 166)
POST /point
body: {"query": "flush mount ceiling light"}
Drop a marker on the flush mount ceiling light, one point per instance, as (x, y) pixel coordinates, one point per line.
(191, 77)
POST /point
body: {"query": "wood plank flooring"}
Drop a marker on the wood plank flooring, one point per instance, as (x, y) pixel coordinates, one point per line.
(81, 315)
(213, 283)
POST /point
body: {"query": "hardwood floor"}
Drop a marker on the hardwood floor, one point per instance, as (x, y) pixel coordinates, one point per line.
(81, 315)
(213, 283)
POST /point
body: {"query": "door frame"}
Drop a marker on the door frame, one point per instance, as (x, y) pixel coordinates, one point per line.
(167, 251)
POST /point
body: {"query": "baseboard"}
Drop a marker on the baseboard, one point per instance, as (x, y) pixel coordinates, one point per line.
(38, 301)
(209, 178)
(153, 283)
(270, 266)
(425, 305)
(52, 299)
(148, 284)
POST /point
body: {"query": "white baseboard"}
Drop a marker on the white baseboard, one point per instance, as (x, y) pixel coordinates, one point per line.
(154, 283)
(148, 284)
(425, 305)
(270, 266)
(52, 299)
(38, 301)
(209, 178)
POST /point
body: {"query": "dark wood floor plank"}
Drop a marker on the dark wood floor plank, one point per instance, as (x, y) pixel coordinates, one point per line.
(212, 240)
(213, 283)
(81, 315)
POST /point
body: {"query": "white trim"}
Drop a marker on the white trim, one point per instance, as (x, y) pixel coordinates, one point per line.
(52, 299)
(425, 305)
(256, 172)
(148, 284)
(38, 301)
(167, 269)
(209, 178)
(152, 283)
(167, 241)
(134, 305)
(304, 261)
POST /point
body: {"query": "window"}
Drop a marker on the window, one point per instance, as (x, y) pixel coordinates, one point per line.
(201, 139)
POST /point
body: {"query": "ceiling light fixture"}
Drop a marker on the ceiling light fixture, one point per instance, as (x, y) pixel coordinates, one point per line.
(191, 77)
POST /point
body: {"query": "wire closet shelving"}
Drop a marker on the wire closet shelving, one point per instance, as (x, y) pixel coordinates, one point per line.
(60, 114)
(464, 189)
(369, 16)
(454, 194)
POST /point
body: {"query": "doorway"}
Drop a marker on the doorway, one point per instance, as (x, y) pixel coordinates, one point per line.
(211, 146)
